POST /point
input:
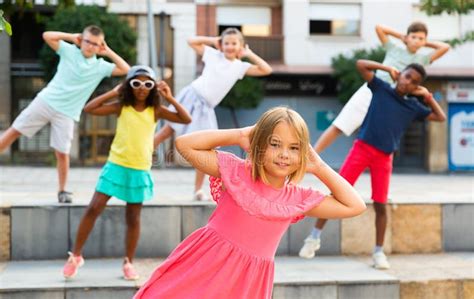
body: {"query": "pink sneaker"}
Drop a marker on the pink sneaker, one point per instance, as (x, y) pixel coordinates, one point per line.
(73, 263)
(129, 272)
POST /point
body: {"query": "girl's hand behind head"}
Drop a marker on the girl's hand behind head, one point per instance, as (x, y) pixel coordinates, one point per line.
(217, 43)
(244, 52)
(314, 160)
(244, 140)
(164, 90)
(117, 88)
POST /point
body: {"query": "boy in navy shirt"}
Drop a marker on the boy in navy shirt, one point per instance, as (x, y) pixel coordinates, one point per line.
(390, 112)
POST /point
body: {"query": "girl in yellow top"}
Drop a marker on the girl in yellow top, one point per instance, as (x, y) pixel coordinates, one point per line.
(126, 175)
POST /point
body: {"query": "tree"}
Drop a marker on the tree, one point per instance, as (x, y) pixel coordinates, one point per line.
(246, 93)
(459, 7)
(4, 25)
(118, 34)
(9, 6)
(349, 79)
(437, 7)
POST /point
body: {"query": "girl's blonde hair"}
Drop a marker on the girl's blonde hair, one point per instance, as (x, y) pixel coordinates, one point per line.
(260, 138)
(233, 30)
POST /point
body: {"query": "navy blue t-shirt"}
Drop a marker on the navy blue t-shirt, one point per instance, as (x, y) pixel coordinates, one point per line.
(388, 116)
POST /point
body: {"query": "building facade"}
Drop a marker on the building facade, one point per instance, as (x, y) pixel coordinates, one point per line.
(298, 38)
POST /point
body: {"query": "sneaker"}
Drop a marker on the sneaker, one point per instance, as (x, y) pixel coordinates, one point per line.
(311, 245)
(380, 261)
(129, 272)
(199, 195)
(73, 263)
(64, 197)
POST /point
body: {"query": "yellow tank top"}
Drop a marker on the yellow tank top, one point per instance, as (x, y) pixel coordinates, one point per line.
(133, 142)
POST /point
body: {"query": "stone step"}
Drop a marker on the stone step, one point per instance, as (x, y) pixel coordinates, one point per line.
(48, 231)
(433, 276)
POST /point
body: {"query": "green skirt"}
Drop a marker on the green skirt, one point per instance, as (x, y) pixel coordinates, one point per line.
(128, 184)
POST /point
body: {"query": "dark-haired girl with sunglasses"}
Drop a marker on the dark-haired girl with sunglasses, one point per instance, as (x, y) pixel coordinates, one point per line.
(126, 175)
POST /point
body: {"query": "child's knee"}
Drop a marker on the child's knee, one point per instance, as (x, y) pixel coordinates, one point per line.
(61, 156)
(133, 219)
(133, 216)
(94, 210)
(380, 209)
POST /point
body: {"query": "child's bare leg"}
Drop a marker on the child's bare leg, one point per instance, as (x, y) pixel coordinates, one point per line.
(163, 134)
(133, 229)
(320, 223)
(63, 169)
(199, 180)
(95, 208)
(380, 223)
(7, 138)
(327, 138)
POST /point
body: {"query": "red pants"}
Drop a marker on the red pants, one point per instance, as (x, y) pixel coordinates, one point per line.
(363, 155)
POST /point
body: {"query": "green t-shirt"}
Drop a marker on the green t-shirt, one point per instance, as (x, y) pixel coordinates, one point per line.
(399, 58)
(75, 80)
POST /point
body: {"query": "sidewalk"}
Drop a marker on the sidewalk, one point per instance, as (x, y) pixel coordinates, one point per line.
(323, 277)
(31, 191)
(38, 185)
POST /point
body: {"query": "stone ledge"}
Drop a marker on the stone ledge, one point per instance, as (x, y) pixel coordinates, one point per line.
(416, 229)
(5, 230)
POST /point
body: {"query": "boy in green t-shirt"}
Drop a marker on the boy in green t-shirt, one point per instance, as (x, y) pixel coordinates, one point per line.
(60, 103)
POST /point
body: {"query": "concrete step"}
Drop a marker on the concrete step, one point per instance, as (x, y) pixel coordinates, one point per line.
(47, 231)
(429, 276)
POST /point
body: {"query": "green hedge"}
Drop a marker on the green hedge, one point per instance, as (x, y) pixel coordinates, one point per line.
(345, 71)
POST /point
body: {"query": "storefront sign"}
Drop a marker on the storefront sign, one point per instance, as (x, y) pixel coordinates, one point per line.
(460, 92)
(301, 85)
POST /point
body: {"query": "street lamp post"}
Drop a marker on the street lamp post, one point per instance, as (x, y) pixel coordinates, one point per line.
(162, 61)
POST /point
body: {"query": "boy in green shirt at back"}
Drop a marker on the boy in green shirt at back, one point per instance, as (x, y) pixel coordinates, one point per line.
(60, 103)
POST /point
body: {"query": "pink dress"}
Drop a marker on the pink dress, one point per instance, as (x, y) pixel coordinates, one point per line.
(233, 255)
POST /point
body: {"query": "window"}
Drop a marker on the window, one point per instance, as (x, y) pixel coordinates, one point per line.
(252, 21)
(27, 39)
(338, 19)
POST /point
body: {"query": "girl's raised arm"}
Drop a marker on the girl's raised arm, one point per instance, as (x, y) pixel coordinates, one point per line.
(198, 43)
(344, 200)
(198, 148)
(100, 105)
(259, 66)
(180, 116)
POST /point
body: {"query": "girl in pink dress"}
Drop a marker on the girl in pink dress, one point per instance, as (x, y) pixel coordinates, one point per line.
(257, 199)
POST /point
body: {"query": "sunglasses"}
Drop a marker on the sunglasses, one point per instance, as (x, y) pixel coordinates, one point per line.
(96, 45)
(148, 84)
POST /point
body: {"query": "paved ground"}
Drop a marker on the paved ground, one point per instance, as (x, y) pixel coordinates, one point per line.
(37, 186)
(320, 270)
